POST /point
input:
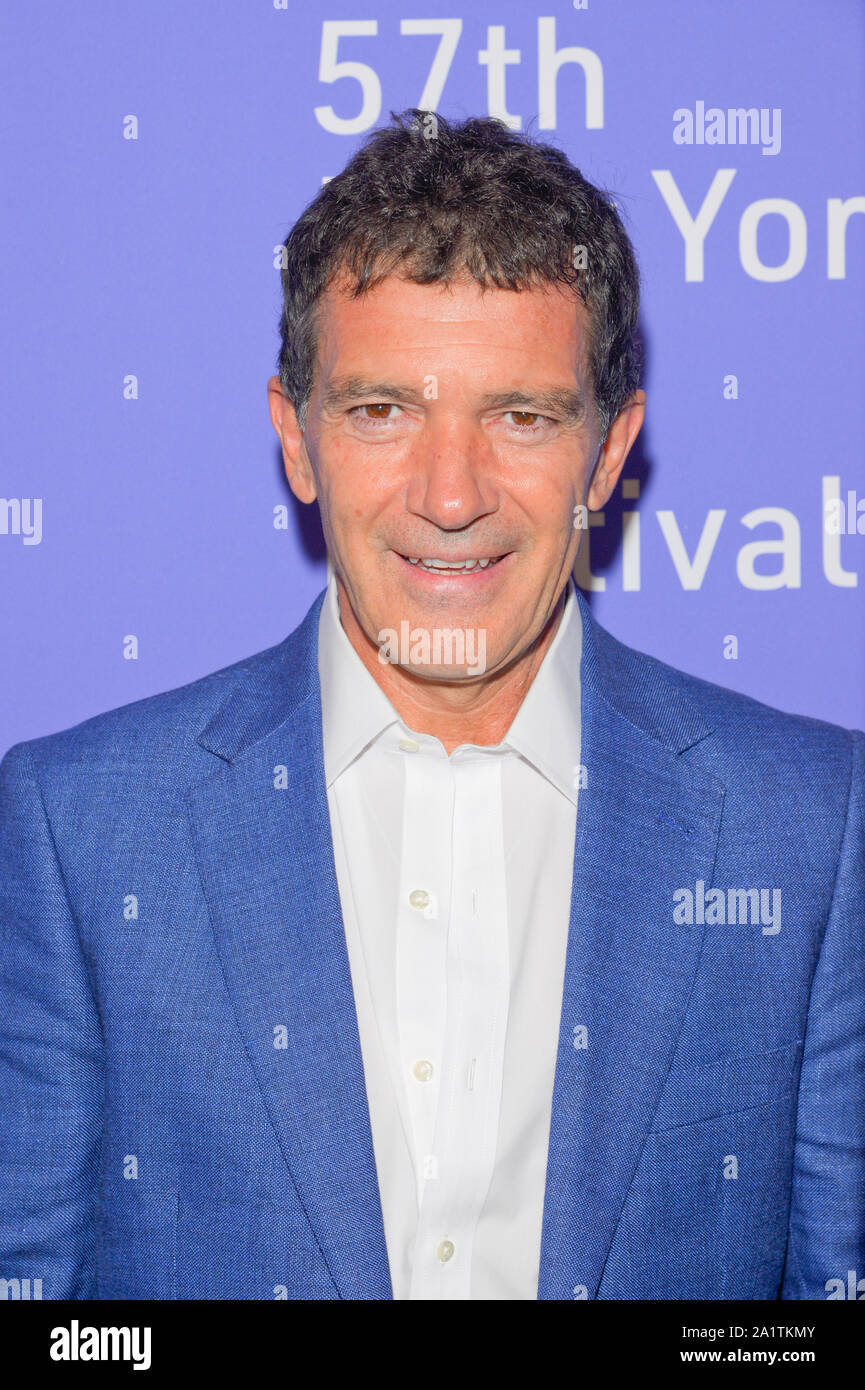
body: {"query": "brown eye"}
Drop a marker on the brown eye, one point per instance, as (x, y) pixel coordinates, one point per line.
(377, 411)
(524, 417)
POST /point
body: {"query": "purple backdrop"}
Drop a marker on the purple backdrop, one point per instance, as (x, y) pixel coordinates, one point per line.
(156, 155)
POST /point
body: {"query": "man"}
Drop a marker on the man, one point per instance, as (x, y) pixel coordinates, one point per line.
(449, 949)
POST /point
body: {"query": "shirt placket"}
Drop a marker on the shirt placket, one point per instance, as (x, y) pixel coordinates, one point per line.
(421, 946)
(460, 1166)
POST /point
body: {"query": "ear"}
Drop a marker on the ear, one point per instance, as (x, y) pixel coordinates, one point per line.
(615, 449)
(298, 469)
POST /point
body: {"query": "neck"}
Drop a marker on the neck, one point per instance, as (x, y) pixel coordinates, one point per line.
(478, 711)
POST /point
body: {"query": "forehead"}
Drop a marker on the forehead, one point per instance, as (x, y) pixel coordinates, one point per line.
(461, 327)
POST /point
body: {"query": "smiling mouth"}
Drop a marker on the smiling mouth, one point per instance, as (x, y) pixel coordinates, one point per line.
(433, 565)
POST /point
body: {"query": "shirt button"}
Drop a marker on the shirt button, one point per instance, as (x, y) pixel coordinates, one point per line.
(445, 1250)
(419, 898)
(408, 745)
(423, 1070)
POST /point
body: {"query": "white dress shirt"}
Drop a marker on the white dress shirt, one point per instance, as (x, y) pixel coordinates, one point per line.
(455, 876)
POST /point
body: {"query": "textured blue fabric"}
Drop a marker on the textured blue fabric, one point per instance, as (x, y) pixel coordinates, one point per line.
(181, 1084)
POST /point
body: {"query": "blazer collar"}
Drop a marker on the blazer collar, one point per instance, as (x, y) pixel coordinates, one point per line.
(268, 690)
(271, 686)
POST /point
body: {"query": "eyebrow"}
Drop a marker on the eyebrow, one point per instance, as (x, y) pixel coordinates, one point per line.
(344, 390)
(565, 402)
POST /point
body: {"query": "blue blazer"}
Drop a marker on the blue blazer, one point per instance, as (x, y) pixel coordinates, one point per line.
(181, 1082)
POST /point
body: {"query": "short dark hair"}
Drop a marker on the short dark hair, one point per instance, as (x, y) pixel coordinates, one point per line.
(433, 199)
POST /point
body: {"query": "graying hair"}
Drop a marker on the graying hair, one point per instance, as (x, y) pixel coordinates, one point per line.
(477, 199)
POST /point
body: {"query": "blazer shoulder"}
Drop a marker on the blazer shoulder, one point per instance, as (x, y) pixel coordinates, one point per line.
(162, 730)
(157, 729)
(742, 727)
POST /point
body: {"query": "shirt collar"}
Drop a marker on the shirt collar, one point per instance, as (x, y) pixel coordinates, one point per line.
(354, 708)
(546, 728)
(545, 731)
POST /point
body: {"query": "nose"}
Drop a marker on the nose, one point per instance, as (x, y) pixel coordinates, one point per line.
(452, 484)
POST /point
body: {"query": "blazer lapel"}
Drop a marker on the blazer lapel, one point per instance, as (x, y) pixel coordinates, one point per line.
(262, 832)
(646, 825)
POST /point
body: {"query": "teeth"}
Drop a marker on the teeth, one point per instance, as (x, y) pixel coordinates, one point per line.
(430, 563)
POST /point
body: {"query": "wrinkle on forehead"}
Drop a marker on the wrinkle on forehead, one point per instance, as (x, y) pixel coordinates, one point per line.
(402, 319)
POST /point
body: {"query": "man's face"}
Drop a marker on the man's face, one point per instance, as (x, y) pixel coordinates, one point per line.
(447, 425)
